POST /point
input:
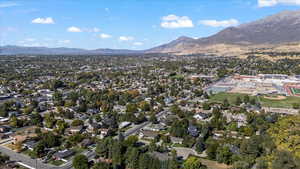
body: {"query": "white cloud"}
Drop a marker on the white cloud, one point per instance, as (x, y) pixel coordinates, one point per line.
(126, 38)
(47, 20)
(30, 39)
(173, 22)
(74, 29)
(64, 41)
(95, 30)
(224, 23)
(268, 3)
(8, 4)
(104, 36)
(138, 43)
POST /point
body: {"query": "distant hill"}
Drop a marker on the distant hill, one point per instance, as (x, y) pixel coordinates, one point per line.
(15, 50)
(270, 32)
(277, 29)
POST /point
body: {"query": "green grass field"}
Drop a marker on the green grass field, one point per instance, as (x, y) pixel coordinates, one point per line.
(231, 97)
(295, 91)
(286, 103)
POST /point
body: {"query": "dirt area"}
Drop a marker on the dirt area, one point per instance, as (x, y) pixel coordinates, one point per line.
(275, 97)
(214, 165)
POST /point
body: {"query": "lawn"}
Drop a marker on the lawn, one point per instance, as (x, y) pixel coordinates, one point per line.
(231, 97)
(285, 103)
(57, 162)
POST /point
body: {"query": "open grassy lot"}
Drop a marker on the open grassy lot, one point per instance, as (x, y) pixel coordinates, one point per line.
(265, 102)
(231, 97)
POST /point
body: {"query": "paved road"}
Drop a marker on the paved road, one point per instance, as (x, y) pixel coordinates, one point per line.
(18, 157)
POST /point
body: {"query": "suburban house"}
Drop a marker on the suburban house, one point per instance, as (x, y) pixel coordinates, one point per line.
(62, 155)
(76, 129)
(146, 134)
(193, 131)
(201, 116)
(176, 140)
(30, 144)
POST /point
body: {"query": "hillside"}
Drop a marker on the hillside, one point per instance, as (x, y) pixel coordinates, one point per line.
(279, 29)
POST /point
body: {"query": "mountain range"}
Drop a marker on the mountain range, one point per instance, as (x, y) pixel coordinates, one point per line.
(278, 29)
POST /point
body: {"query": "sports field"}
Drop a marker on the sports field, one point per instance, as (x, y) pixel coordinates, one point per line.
(265, 102)
(295, 91)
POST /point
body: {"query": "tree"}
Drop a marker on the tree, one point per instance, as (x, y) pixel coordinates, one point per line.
(3, 159)
(261, 164)
(211, 150)
(101, 166)
(77, 123)
(116, 154)
(132, 158)
(284, 159)
(131, 108)
(49, 120)
(153, 119)
(57, 84)
(145, 106)
(3, 112)
(224, 155)
(241, 165)
(200, 146)
(80, 162)
(206, 106)
(36, 119)
(246, 99)
(131, 141)
(61, 126)
(225, 104)
(193, 163)
(238, 101)
(253, 101)
(39, 150)
(296, 105)
(14, 122)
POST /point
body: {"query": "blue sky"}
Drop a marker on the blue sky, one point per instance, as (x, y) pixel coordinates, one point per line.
(130, 24)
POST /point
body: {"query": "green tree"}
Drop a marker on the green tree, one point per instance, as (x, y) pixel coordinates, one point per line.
(101, 166)
(14, 121)
(238, 101)
(132, 158)
(224, 155)
(153, 119)
(145, 106)
(225, 104)
(193, 163)
(131, 108)
(3, 159)
(241, 165)
(77, 123)
(39, 150)
(211, 150)
(284, 159)
(131, 141)
(246, 99)
(80, 162)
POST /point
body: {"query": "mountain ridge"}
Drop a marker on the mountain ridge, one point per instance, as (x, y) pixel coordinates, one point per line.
(280, 28)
